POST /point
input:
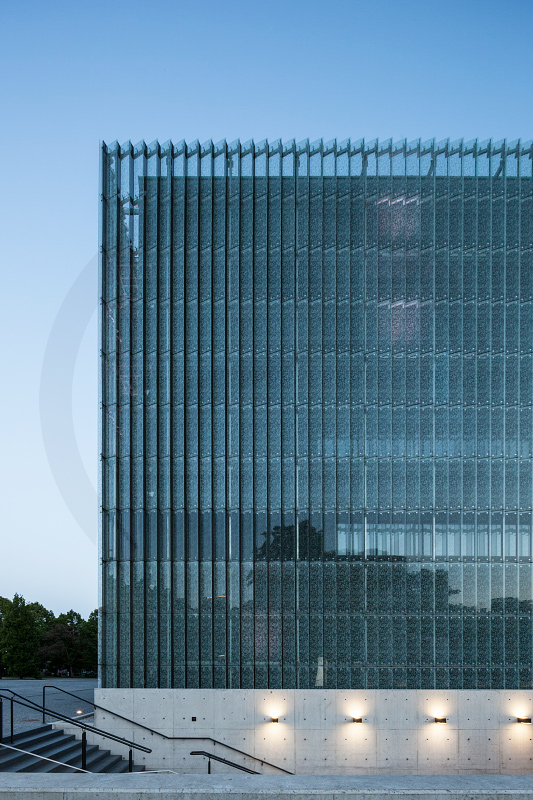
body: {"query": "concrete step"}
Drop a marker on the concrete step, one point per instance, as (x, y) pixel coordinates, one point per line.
(18, 762)
(43, 744)
(54, 744)
(32, 731)
(33, 735)
(62, 751)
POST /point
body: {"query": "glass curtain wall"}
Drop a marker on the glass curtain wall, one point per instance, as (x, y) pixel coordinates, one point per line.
(316, 415)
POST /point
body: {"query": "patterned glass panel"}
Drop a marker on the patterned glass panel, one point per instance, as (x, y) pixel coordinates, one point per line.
(317, 436)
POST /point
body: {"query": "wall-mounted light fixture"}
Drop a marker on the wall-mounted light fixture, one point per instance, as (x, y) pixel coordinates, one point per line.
(274, 719)
(357, 719)
(524, 719)
(441, 719)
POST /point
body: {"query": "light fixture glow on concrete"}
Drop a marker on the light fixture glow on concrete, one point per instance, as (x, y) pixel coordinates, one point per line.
(441, 719)
(357, 719)
(274, 719)
(524, 719)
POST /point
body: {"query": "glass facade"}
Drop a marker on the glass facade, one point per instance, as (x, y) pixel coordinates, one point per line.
(316, 415)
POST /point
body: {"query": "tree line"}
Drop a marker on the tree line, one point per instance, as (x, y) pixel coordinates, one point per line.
(34, 642)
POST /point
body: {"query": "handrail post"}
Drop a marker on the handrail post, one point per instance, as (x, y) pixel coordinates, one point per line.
(209, 766)
(44, 703)
(1, 719)
(130, 761)
(11, 735)
(84, 750)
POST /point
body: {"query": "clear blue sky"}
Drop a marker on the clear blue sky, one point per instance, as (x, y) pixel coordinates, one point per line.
(74, 73)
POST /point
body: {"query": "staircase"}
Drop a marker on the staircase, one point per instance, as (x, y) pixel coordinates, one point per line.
(55, 744)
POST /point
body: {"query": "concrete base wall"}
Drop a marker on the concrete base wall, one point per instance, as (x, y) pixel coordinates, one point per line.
(315, 733)
(263, 787)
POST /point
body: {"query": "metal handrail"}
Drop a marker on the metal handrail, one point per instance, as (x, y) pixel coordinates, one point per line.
(210, 756)
(44, 758)
(105, 734)
(58, 689)
(158, 771)
(73, 721)
(164, 735)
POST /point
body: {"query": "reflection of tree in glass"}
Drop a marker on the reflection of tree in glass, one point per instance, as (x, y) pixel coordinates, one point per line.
(282, 543)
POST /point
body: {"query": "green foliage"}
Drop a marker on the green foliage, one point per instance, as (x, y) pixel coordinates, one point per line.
(43, 616)
(5, 604)
(89, 642)
(70, 642)
(33, 640)
(20, 639)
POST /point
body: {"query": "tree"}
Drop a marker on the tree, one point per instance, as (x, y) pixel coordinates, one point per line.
(4, 605)
(43, 617)
(61, 642)
(89, 642)
(20, 638)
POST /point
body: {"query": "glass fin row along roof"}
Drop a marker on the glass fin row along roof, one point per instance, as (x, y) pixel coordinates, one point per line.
(488, 158)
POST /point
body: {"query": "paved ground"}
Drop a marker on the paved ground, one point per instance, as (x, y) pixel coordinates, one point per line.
(25, 718)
